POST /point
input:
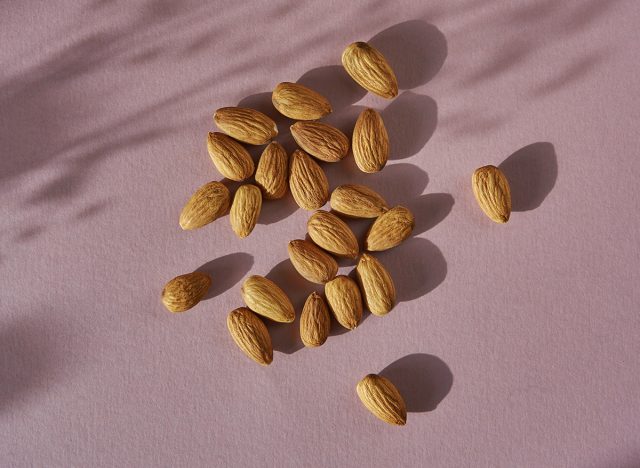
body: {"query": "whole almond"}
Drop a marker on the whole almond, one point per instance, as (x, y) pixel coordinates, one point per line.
(357, 201)
(298, 102)
(376, 285)
(311, 262)
(246, 125)
(206, 205)
(370, 142)
(185, 291)
(251, 335)
(272, 171)
(315, 321)
(368, 67)
(230, 158)
(345, 301)
(390, 229)
(307, 181)
(332, 234)
(245, 209)
(491, 188)
(383, 399)
(320, 140)
(265, 297)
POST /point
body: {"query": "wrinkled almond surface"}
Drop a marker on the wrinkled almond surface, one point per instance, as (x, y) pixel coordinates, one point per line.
(332, 234)
(307, 181)
(246, 125)
(368, 67)
(245, 209)
(185, 291)
(299, 102)
(251, 335)
(383, 399)
(345, 301)
(390, 229)
(370, 142)
(230, 158)
(491, 188)
(206, 205)
(272, 172)
(311, 262)
(265, 297)
(320, 140)
(315, 321)
(376, 285)
(357, 201)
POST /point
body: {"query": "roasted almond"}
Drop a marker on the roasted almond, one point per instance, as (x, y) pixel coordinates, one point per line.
(307, 181)
(368, 67)
(491, 188)
(370, 142)
(265, 297)
(298, 102)
(230, 158)
(251, 335)
(246, 125)
(206, 205)
(332, 234)
(185, 291)
(390, 229)
(320, 140)
(357, 201)
(345, 301)
(311, 262)
(245, 209)
(383, 399)
(376, 285)
(315, 321)
(272, 171)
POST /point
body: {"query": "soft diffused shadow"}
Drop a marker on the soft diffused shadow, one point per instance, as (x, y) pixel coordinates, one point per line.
(262, 102)
(335, 84)
(430, 209)
(276, 210)
(226, 272)
(410, 120)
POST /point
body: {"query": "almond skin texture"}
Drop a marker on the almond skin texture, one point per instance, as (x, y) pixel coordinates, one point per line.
(382, 398)
(245, 210)
(315, 321)
(246, 125)
(206, 205)
(332, 234)
(368, 67)
(320, 140)
(307, 181)
(265, 297)
(272, 172)
(390, 229)
(491, 188)
(345, 301)
(298, 102)
(370, 142)
(357, 201)
(251, 335)
(311, 262)
(230, 158)
(376, 285)
(185, 291)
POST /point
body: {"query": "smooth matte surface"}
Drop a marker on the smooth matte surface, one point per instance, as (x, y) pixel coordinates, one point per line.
(514, 345)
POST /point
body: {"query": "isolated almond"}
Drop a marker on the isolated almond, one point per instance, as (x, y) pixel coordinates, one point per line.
(299, 102)
(332, 234)
(370, 142)
(390, 229)
(368, 67)
(315, 321)
(491, 188)
(320, 140)
(265, 297)
(245, 209)
(357, 201)
(311, 262)
(251, 335)
(246, 125)
(376, 285)
(185, 291)
(345, 301)
(272, 171)
(307, 181)
(230, 158)
(383, 399)
(206, 205)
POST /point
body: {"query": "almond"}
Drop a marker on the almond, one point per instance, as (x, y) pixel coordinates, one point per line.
(230, 158)
(368, 67)
(320, 140)
(185, 291)
(315, 321)
(357, 201)
(332, 234)
(344, 301)
(312, 263)
(299, 102)
(376, 285)
(251, 335)
(390, 229)
(206, 205)
(272, 171)
(370, 142)
(245, 209)
(307, 181)
(383, 399)
(491, 188)
(265, 297)
(246, 125)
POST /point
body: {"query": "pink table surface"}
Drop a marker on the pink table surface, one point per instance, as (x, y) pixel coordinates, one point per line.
(514, 345)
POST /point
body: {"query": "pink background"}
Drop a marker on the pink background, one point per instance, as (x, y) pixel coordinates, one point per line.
(514, 345)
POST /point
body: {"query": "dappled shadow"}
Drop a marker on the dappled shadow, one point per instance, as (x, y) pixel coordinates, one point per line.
(226, 272)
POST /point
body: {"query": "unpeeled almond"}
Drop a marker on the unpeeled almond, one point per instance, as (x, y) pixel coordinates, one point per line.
(390, 229)
(265, 297)
(368, 67)
(251, 335)
(383, 399)
(376, 285)
(206, 205)
(332, 234)
(272, 171)
(370, 142)
(246, 125)
(345, 301)
(311, 262)
(245, 209)
(357, 201)
(491, 189)
(185, 291)
(307, 181)
(299, 102)
(230, 158)
(321, 140)
(315, 322)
